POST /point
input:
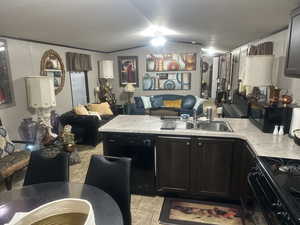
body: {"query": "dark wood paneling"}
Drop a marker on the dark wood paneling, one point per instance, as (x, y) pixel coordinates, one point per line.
(293, 50)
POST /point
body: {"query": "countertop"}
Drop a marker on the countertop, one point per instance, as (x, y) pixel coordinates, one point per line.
(263, 144)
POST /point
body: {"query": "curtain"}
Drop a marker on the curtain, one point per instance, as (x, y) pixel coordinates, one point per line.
(78, 62)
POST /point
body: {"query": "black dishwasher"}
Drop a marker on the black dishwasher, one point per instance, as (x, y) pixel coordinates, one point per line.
(140, 148)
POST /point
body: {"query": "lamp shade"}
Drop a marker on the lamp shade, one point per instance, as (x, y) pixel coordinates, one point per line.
(129, 88)
(107, 69)
(40, 92)
(258, 70)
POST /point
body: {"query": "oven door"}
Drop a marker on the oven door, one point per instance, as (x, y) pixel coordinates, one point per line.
(264, 210)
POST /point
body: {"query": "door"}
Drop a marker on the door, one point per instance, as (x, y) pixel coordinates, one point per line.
(173, 163)
(211, 166)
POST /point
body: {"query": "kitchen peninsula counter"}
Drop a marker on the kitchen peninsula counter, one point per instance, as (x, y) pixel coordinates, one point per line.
(263, 144)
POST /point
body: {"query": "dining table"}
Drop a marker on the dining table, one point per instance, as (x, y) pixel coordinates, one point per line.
(27, 198)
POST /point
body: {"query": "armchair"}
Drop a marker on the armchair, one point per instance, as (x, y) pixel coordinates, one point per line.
(13, 162)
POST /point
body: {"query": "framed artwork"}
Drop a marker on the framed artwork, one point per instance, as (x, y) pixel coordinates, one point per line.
(167, 81)
(128, 70)
(171, 62)
(6, 89)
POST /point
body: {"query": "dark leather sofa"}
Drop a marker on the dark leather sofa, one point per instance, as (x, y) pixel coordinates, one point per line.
(239, 108)
(187, 104)
(85, 128)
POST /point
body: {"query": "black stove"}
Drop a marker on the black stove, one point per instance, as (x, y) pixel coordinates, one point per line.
(276, 184)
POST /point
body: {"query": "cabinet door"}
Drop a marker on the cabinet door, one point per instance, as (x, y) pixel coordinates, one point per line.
(243, 161)
(173, 163)
(211, 166)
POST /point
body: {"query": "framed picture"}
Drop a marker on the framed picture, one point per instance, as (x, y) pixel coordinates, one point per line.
(128, 70)
(6, 87)
(171, 62)
(167, 81)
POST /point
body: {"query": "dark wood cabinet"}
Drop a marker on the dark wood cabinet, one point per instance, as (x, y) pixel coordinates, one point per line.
(293, 48)
(194, 165)
(173, 163)
(211, 166)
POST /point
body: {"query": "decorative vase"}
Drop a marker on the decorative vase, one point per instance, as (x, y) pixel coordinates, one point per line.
(28, 130)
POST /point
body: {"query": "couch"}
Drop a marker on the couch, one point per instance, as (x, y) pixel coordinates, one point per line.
(239, 108)
(187, 105)
(85, 128)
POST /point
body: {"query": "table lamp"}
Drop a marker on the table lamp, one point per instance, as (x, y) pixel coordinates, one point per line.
(41, 96)
(106, 75)
(129, 88)
(258, 71)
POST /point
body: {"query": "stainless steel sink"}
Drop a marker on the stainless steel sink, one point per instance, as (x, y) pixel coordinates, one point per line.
(220, 126)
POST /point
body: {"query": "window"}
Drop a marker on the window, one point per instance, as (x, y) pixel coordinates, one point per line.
(79, 86)
(6, 95)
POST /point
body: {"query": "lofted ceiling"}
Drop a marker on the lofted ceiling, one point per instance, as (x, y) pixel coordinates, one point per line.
(109, 25)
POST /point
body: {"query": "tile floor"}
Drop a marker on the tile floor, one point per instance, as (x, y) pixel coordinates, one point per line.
(145, 210)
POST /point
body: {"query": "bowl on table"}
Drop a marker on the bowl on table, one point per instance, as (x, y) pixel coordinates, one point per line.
(68, 211)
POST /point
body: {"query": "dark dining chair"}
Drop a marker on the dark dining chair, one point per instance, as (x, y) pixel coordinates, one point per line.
(112, 175)
(43, 169)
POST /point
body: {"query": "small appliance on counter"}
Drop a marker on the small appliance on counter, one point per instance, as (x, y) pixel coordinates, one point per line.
(265, 116)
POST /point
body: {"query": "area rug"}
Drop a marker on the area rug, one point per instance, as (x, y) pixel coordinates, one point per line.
(191, 212)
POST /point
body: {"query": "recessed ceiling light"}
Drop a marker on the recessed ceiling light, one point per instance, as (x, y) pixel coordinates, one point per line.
(155, 30)
(158, 41)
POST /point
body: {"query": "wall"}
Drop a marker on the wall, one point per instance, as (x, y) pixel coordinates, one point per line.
(142, 53)
(279, 79)
(24, 60)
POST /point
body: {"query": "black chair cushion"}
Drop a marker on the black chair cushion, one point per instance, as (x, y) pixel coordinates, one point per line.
(112, 175)
(188, 102)
(42, 169)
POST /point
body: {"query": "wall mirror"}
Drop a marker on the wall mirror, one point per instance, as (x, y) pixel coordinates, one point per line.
(52, 65)
(6, 90)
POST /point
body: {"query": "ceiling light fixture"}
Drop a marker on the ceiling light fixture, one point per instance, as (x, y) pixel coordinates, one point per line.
(158, 41)
(155, 30)
(2, 49)
(211, 51)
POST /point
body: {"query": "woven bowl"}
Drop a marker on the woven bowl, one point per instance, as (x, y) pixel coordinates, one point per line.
(60, 212)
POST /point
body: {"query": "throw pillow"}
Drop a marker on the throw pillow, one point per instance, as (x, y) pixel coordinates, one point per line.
(156, 102)
(101, 109)
(173, 103)
(81, 110)
(139, 102)
(146, 102)
(199, 101)
(6, 146)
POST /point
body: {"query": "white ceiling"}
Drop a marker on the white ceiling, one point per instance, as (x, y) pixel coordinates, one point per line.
(108, 25)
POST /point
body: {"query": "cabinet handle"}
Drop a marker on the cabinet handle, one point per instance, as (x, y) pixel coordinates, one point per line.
(200, 144)
(188, 143)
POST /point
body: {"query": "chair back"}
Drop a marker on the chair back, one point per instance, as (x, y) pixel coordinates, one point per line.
(112, 175)
(42, 169)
